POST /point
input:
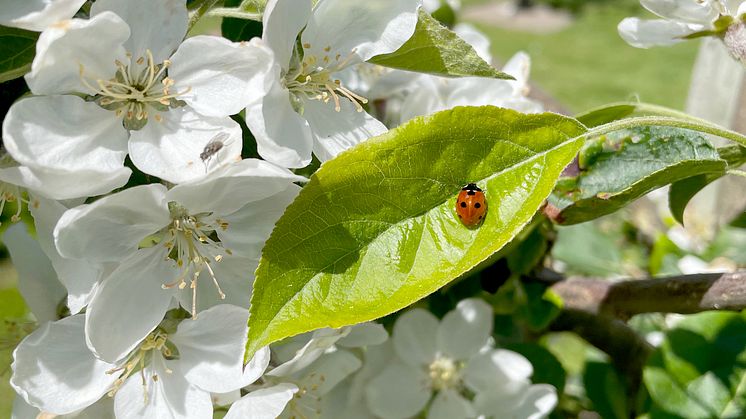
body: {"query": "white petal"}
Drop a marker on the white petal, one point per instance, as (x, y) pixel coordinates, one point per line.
(77, 276)
(538, 402)
(230, 188)
(222, 77)
(250, 226)
(414, 337)
(112, 227)
(283, 21)
(282, 136)
(131, 302)
(54, 370)
(64, 47)
(687, 11)
(466, 329)
(64, 133)
(23, 410)
(66, 184)
(399, 392)
(236, 278)
(211, 349)
(172, 149)
(518, 66)
(158, 25)
(502, 401)
(37, 280)
(265, 403)
(36, 15)
(170, 396)
(320, 341)
(328, 371)
(495, 369)
(448, 404)
(365, 334)
(335, 132)
(647, 33)
(369, 28)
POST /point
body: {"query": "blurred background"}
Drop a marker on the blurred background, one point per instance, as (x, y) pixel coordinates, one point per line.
(578, 62)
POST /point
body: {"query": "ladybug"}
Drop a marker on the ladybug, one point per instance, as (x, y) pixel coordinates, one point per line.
(471, 205)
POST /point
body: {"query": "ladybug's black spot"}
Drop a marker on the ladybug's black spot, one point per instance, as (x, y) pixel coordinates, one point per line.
(459, 215)
(477, 205)
(480, 217)
(463, 204)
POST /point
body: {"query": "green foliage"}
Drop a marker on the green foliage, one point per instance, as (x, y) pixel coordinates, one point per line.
(698, 371)
(630, 164)
(435, 49)
(17, 50)
(239, 29)
(375, 228)
(605, 389)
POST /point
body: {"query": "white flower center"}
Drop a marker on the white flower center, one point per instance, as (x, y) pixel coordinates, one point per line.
(444, 373)
(313, 79)
(138, 89)
(137, 360)
(306, 402)
(191, 243)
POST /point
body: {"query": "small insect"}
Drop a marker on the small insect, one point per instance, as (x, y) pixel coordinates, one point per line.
(212, 147)
(471, 205)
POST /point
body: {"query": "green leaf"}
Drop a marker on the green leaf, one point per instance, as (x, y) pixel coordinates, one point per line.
(605, 389)
(237, 29)
(375, 228)
(17, 50)
(632, 163)
(620, 110)
(435, 49)
(683, 191)
(698, 371)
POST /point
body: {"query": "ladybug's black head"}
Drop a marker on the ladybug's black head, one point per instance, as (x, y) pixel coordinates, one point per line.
(471, 187)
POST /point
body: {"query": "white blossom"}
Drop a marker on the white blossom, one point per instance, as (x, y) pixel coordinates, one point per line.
(111, 85)
(36, 15)
(304, 107)
(198, 242)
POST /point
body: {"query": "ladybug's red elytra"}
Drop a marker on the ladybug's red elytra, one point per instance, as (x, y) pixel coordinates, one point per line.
(471, 205)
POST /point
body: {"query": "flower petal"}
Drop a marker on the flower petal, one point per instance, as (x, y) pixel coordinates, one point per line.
(37, 280)
(282, 136)
(156, 25)
(328, 371)
(172, 149)
(112, 227)
(335, 132)
(221, 76)
(283, 21)
(399, 392)
(320, 341)
(250, 226)
(538, 402)
(265, 403)
(211, 350)
(36, 15)
(78, 276)
(236, 278)
(476, 39)
(448, 404)
(230, 188)
(493, 370)
(466, 329)
(65, 184)
(65, 379)
(657, 32)
(71, 46)
(130, 301)
(414, 337)
(64, 133)
(168, 395)
(368, 28)
(683, 11)
(364, 334)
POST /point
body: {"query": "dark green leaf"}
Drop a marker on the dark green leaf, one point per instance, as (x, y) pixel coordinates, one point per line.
(605, 389)
(375, 229)
(547, 368)
(632, 163)
(17, 50)
(698, 371)
(239, 29)
(683, 191)
(435, 49)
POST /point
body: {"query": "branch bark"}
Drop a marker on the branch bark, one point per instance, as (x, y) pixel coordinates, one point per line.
(677, 294)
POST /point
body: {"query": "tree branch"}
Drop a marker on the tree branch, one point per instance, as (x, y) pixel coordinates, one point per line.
(677, 294)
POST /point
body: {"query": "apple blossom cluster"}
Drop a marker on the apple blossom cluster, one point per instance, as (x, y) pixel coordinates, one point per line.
(149, 223)
(680, 20)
